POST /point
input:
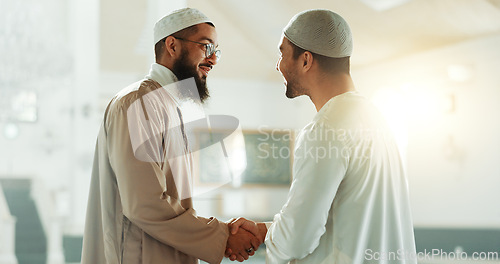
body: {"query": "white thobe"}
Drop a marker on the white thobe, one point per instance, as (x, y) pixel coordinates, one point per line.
(348, 202)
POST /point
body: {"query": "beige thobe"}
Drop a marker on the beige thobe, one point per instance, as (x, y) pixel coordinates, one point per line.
(136, 213)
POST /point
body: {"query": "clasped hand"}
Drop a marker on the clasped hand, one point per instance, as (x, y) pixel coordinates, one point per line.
(245, 237)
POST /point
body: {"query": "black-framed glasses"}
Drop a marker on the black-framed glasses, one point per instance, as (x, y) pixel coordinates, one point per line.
(210, 49)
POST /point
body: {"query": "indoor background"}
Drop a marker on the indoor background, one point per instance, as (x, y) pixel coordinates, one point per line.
(431, 66)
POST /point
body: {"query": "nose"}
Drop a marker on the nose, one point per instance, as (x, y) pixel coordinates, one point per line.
(212, 59)
(278, 64)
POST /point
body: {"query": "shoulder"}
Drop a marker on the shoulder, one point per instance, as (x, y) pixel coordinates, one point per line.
(348, 110)
(134, 91)
(147, 91)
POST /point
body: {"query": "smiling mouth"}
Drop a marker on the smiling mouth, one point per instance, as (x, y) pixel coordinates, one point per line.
(205, 69)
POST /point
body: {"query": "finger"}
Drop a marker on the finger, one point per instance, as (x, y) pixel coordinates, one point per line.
(249, 250)
(252, 227)
(235, 225)
(255, 243)
(244, 254)
(228, 252)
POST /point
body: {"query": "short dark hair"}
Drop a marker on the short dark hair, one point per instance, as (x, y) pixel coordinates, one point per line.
(327, 64)
(183, 33)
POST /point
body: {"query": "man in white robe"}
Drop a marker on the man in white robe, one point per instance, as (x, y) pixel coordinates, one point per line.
(140, 208)
(348, 202)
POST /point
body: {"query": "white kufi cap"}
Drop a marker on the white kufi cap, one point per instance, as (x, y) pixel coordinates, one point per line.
(320, 31)
(178, 20)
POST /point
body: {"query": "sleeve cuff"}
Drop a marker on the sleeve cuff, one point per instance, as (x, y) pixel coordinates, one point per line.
(219, 254)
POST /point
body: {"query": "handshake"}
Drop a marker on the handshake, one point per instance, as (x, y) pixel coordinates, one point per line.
(245, 237)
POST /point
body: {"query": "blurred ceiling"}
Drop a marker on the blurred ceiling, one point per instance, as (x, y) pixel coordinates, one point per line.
(249, 31)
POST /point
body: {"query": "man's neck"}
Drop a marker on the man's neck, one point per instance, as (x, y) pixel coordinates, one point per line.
(328, 87)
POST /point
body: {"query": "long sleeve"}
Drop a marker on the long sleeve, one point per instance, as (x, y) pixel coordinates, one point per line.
(319, 168)
(148, 184)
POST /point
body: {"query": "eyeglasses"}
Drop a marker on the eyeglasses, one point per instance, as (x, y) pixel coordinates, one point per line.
(210, 49)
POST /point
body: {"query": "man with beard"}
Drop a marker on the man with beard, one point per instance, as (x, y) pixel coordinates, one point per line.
(140, 208)
(348, 202)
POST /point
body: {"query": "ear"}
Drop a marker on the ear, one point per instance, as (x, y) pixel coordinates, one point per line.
(171, 46)
(307, 61)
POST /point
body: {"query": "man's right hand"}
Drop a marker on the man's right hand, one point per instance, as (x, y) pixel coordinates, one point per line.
(259, 230)
(241, 245)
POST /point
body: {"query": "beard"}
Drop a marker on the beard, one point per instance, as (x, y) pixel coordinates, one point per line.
(293, 88)
(183, 69)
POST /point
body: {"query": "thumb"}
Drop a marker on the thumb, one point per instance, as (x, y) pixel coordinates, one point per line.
(236, 224)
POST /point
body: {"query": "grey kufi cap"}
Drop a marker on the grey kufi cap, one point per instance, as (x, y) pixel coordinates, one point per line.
(320, 31)
(178, 20)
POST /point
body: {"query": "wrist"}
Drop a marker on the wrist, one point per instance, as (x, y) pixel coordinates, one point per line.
(262, 230)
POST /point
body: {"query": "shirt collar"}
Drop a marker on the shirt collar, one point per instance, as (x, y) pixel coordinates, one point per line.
(161, 74)
(328, 104)
(164, 76)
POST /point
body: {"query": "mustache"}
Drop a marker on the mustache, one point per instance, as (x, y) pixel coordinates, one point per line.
(206, 65)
